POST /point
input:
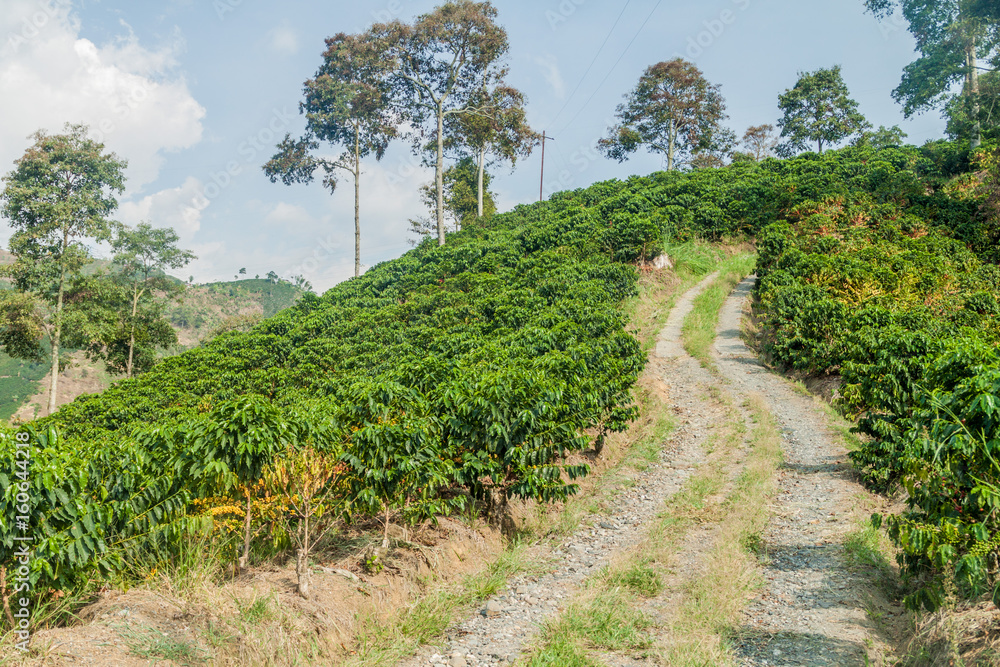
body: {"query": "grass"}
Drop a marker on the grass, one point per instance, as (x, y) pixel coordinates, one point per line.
(150, 643)
(713, 602)
(386, 641)
(647, 313)
(604, 618)
(255, 611)
(708, 607)
(638, 578)
(561, 652)
(699, 327)
(658, 291)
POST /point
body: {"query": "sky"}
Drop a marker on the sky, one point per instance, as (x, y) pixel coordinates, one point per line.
(196, 93)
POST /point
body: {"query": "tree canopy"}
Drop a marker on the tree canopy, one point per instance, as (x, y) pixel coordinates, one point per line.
(819, 109)
(953, 38)
(346, 104)
(674, 111)
(124, 323)
(440, 65)
(57, 199)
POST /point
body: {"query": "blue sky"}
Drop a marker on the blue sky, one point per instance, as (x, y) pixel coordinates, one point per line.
(194, 93)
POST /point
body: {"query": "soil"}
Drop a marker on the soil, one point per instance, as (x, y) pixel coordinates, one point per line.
(81, 377)
(812, 608)
(342, 593)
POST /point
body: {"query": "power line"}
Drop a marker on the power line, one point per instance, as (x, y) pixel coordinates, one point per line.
(634, 37)
(601, 48)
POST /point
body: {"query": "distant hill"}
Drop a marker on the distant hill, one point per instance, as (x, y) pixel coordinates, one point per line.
(203, 308)
(200, 311)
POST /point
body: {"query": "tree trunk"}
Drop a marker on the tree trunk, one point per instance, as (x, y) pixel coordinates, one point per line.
(819, 142)
(977, 129)
(244, 563)
(385, 535)
(57, 333)
(439, 173)
(357, 203)
(671, 143)
(302, 572)
(482, 158)
(131, 337)
(302, 559)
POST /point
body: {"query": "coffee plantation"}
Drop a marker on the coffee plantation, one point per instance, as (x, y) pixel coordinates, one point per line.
(468, 373)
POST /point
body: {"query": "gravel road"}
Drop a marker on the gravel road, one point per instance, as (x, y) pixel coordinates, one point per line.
(810, 611)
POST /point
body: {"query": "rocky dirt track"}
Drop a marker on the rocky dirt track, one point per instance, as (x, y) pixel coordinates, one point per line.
(810, 609)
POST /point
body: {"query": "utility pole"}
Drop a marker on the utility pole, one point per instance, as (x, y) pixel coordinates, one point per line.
(541, 181)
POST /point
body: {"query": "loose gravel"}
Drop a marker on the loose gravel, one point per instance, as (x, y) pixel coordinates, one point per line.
(811, 609)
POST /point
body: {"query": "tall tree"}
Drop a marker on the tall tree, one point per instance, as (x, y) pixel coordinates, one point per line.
(346, 104)
(953, 38)
(819, 108)
(673, 110)
(141, 255)
(497, 129)
(57, 199)
(100, 320)
(440, 65)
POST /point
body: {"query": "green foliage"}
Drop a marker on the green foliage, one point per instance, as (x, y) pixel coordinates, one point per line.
(476, 368)
(19, 380)
(871, 282)
(819, 109)
(89, 508)
(674, 111)
(58, 200)
(952, 38)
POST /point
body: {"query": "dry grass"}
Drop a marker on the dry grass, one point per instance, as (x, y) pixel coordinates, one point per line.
(193, 610)
(713, 601)
(966, 635)
(707, 608)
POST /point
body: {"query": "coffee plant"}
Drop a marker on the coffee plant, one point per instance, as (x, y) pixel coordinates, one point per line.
(473, 371)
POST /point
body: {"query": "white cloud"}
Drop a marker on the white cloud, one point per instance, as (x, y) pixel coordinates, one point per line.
(389, 197)
(179, 207)
(127, 93)
(289, 215)
(550, 70)
(283, 40)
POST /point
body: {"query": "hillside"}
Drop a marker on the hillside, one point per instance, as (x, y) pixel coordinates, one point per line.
(489, 373)
(200, 311)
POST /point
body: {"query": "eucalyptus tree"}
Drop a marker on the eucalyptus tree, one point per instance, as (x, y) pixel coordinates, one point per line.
(954, 38)
(819, 109)
(58, 200)
(674, 111)
(346, 104)
(440, 64)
